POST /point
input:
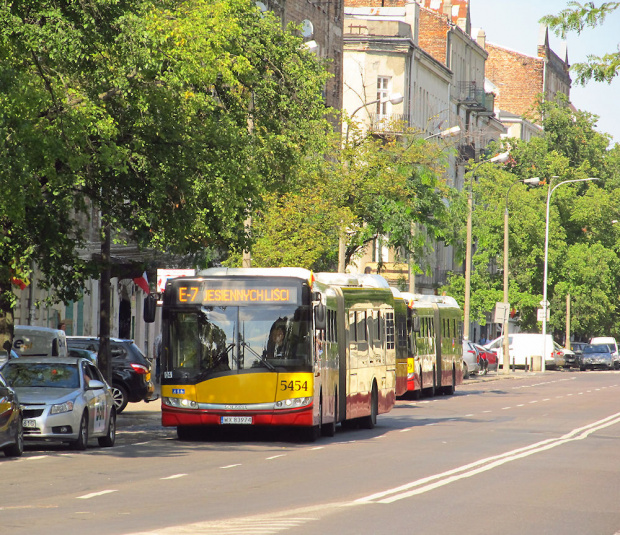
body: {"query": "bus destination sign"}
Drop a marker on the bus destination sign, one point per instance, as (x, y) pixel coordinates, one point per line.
(230, 293)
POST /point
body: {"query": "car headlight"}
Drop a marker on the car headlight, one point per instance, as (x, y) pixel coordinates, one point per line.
(293, 403)
(59, 408)
(179, 403)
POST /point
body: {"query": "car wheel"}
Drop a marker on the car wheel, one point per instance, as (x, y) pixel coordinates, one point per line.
(82, 441)
(120, 398)
(108, 440)
(465, 371)
(17, 448)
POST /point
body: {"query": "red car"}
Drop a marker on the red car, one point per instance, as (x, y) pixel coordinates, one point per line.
(488, 359)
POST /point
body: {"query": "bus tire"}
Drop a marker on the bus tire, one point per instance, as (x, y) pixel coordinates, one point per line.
(329, 430)
(432, 390)
(370, 421)
(449, 390)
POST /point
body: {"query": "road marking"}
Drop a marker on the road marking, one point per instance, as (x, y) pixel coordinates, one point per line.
(37, 457)
(95, 494)
(276, 456)
(439, 480)
(506, 408)
(175, 476)
(230, 466)
(317, 448)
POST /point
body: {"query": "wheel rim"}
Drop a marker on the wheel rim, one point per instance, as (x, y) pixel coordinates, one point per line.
(112, 428)
(118, 397)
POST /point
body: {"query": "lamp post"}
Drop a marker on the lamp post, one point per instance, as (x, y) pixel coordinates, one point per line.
(544, 303)
(500, 158)
(505, 343)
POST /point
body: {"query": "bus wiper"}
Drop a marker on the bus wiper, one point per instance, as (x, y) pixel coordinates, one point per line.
(260, 357)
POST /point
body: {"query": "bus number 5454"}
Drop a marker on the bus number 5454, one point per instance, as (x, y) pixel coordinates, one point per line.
(294, 385)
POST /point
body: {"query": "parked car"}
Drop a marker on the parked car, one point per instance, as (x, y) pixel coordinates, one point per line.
(597, 356)
(471, 362)
(564, 357)
(131, 370)
(11, 431)
(523, 347)
(64, 399)
(613, 346)
(32, 341)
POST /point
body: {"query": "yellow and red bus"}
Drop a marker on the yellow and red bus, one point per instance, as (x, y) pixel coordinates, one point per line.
(276, 347)
(434, 358)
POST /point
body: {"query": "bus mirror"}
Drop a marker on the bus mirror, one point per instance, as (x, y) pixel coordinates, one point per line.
(319, 317)
(415, 324)
(316, 296)
(150, 306)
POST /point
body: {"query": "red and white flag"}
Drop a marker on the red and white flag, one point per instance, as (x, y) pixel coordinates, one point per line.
(143, 282)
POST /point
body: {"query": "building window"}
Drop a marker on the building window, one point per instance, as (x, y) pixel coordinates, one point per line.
(383, 94)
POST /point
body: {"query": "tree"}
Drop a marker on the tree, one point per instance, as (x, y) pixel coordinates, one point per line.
(580, 224)
(370, 187)
(171, 118)
(575, 18)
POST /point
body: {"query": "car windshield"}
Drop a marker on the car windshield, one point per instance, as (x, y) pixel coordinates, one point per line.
(25, 374)
(233, 339)
(598, 348)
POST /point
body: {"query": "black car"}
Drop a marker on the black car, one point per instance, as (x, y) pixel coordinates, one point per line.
(131, 370)
(11, 432)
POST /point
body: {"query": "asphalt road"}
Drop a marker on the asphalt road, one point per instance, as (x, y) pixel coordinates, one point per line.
(532, 453)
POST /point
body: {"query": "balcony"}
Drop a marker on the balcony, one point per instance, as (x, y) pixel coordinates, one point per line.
(472, 96)
(392, 123)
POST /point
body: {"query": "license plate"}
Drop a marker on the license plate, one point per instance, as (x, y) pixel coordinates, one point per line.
(29, 423)
(236, 420)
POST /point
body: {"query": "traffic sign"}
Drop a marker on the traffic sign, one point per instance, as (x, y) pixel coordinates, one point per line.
(540, 313)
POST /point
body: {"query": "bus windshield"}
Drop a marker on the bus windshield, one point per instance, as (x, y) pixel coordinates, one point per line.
(214, 340)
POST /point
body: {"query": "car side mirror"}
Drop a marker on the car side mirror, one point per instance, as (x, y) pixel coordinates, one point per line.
(93, 384)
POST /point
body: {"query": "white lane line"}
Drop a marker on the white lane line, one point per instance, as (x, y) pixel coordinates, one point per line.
(406, 430)
(230, 466)
(175, 476)
(95, 494)
(37, 457)
(276, 456)
(506, 408)
(317, 448)
(521, 405)
(439, 480)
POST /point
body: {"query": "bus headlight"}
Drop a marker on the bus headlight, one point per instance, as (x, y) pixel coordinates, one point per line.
(293, 403)
(179, 403)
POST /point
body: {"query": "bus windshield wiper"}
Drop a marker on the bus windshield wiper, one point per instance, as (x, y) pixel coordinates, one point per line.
(259, 357)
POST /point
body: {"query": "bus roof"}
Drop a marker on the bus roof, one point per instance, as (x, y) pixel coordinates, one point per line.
(424, 298)
(300, 273)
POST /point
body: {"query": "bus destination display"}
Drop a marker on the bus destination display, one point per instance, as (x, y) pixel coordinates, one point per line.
(234, 293)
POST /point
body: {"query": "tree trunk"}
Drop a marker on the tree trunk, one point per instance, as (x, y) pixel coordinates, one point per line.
(104, 357)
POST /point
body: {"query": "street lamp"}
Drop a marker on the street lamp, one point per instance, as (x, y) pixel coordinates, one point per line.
(544, 303)
(506, 346)
(500, 158)
(394, 98)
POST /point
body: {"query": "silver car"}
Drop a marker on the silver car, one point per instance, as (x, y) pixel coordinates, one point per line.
(597, 356)
(64, 399)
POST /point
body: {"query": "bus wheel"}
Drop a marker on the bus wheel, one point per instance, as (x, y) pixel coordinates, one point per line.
(449, 390)
(369, 422)
(432, 390)
(329, 430)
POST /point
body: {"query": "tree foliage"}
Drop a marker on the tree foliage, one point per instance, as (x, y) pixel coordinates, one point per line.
(583, 238)
(366, 188)
(173, 119)
(575, 18)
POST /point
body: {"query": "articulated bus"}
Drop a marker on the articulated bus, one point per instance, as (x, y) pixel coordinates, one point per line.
(434, 358)
(276, 347)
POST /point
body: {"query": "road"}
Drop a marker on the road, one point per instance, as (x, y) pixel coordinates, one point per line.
(537, 453)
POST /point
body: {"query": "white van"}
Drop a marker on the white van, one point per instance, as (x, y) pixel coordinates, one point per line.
(524, 346)
(613, 345)
(31, 341)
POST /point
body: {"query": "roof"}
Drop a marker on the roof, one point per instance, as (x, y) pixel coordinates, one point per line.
(459, 8)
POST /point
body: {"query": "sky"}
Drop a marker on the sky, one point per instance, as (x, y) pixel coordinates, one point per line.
(514, 24)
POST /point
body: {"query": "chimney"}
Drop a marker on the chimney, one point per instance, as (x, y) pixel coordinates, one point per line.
(481, 38)
(447, 8)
